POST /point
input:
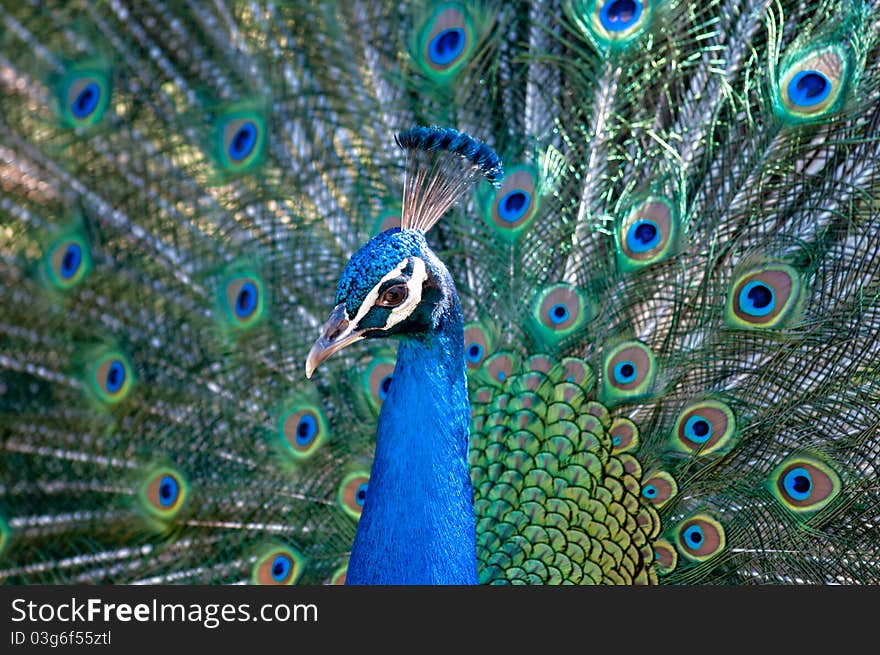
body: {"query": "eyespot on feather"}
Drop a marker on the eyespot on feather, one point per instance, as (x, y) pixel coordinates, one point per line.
(624, 436)
(658, 488)
(84, 95)
(700, 538)
(647, 234)
(163, 493)
(511, 207)
(665, 557)
(628, 372)
(539, 363)
(445, 40)
(477, 345)
(558, 311)
(277, 565)
(240, 140)
(243, 300)
(574, 370)
(764, 296)
(704, 427)
(813, 84)
(612, 24)
(804, 484)
(302, 429)
(377, 381)
(500, 367)
(352, 493)
(67, 261)
(110, 377)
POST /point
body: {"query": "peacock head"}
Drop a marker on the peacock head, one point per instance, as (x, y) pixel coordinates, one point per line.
(394, 286)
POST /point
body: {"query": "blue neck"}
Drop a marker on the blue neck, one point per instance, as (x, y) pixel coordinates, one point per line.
(417, 525)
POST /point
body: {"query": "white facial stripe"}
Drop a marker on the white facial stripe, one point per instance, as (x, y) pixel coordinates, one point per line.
(414, 285)
(413, 298)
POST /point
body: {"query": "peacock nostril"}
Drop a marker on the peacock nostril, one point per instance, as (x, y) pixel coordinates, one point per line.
(337, 329)
(336, 325)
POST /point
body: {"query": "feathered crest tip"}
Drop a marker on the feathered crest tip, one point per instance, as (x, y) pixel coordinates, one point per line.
(441, 165)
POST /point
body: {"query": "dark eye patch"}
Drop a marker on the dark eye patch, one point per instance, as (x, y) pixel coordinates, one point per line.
(375, 319)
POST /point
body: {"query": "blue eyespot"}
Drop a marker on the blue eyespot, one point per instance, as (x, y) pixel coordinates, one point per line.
(642, 236)
(808, 88)
(281, 566)
(616, 441)
(693, 536)
(361, 494)
(513, 205)
(625, 372)
(306, 430)
(301, 430)
(169, 489)
(246, 301)
(474, 353)
(798, 483)
(757, 298)
(502, 376)
(243, 300)
(86, 100)
(619, 15)
(558, 314)
(162, 494)
(277, 564)
(71, 261)
(649, 491)
(446, 46)
(115, 376)
(243, 142)
(698, 429)
(384, 386)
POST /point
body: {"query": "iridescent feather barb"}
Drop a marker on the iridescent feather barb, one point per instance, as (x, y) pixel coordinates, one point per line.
(441, 165)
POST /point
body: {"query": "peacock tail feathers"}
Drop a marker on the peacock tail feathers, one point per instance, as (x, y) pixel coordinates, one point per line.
(671, 292)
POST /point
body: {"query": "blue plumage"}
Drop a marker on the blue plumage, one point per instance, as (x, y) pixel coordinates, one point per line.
(417, 525)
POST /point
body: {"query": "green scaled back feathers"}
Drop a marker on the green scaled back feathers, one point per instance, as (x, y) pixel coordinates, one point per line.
(672, 297)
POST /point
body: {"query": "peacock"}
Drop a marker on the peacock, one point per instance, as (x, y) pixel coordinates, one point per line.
(600, 280)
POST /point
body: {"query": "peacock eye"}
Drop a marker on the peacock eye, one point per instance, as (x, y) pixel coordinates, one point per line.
(393, 296)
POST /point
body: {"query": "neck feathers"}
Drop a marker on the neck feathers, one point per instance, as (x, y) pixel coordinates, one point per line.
(417, 525)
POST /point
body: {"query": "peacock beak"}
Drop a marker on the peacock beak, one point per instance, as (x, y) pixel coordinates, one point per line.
(336, 334)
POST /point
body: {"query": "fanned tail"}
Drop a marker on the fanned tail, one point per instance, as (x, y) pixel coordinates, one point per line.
(671, 291)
